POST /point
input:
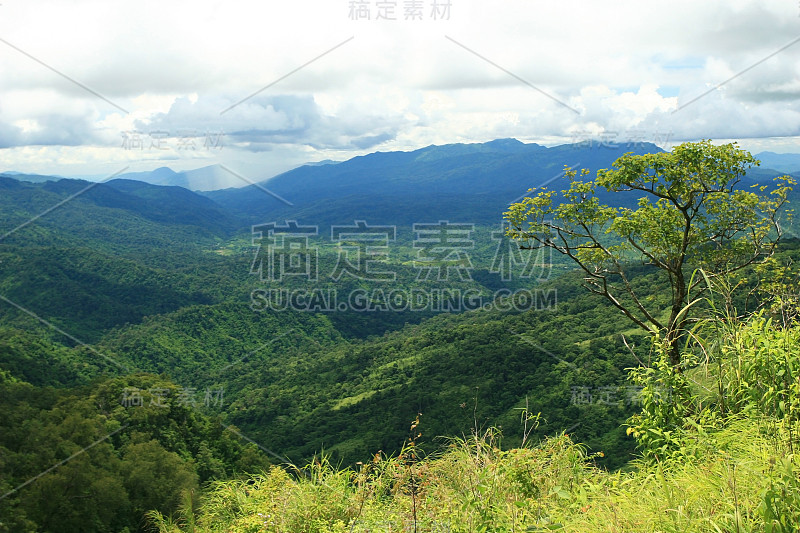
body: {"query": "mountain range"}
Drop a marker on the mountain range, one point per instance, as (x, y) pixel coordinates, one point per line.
(476, 181)
(217, 177)
(460, 183)
(125, 304)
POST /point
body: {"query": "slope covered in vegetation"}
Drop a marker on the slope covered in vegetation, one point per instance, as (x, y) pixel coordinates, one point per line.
(718, 454)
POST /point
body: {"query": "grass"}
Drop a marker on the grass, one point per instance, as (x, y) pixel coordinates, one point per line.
(718, 457)
(476, 486)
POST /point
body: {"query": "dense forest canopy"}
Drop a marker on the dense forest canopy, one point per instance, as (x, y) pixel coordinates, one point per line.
(151, 374)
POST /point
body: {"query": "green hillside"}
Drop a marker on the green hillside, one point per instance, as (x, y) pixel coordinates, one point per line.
(166, 366)
(718, 455)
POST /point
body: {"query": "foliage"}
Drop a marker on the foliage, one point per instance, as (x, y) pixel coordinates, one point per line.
(666, 401)
(475, 485)
(160, 293)
(693, 214)
(713, 460)
(77, 460)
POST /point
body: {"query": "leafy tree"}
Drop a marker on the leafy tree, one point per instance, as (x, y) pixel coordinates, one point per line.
(155, 478)
(693, 214)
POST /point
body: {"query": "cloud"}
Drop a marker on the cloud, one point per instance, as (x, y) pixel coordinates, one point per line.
(626, 66)
(261, 122)
(57, 121)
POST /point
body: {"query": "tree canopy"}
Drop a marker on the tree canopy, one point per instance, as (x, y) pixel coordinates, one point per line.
(693, 213)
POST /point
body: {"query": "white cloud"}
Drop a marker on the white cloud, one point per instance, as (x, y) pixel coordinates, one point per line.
(625, 66)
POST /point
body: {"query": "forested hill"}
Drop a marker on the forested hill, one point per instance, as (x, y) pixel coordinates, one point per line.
(152, 342)
(469, 182)
(118, 215)
(464, 182)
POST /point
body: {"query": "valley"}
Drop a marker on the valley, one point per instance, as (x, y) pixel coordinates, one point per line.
(183, 338)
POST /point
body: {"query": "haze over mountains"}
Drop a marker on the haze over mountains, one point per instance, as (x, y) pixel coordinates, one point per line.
(468, 182)
(201, 179)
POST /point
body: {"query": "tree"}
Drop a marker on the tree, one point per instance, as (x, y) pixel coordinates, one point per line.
(693, 214)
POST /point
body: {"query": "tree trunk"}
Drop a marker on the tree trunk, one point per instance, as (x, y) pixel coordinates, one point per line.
(674, 352)
(676, 321)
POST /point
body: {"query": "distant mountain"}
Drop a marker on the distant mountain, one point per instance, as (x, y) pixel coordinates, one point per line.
(456, 182)
(323, 162)
(32, 178)
(160, 176)
(201, 179)
(123, 213)
(208, 178)
(789, 163)
(175, 205)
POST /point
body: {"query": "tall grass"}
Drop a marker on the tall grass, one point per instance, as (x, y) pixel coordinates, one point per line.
(718, 455)
(744, 479)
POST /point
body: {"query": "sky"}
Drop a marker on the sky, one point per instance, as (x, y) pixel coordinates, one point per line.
(95, 88)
